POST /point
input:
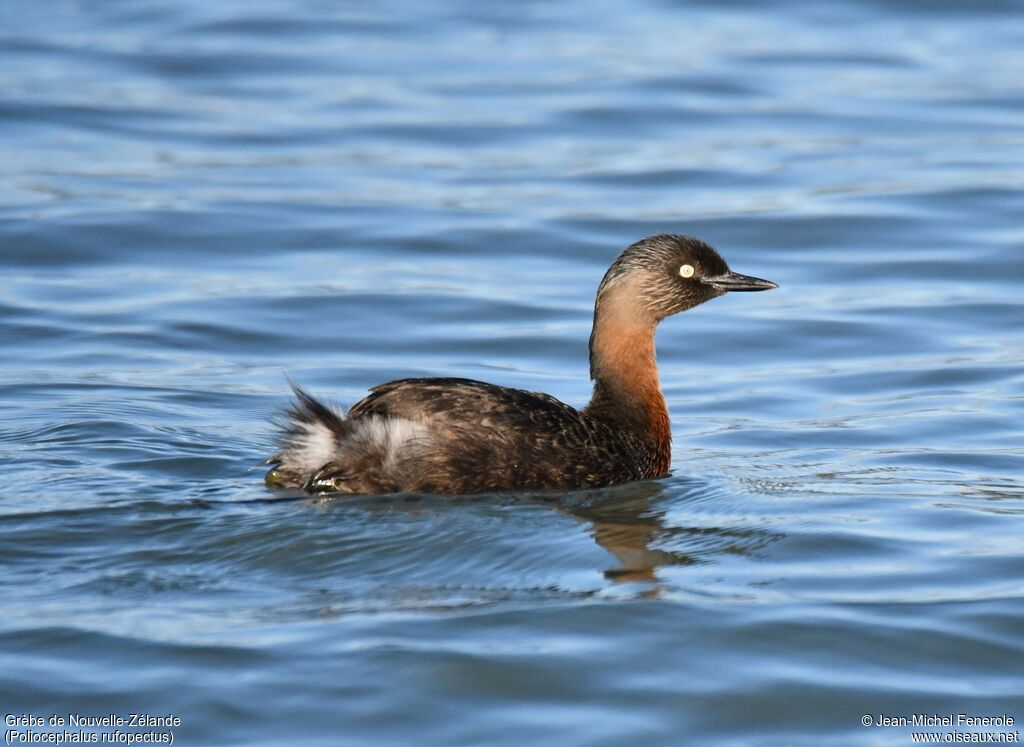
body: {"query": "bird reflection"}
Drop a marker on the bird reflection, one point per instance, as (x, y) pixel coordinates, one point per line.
(631, 523)
(627, 523)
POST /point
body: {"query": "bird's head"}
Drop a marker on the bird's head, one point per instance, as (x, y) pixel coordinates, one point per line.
(665, 274)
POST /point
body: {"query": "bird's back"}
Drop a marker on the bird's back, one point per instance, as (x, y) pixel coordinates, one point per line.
(452, 436)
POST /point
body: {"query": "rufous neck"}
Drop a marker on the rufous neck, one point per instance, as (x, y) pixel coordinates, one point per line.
(624, 369)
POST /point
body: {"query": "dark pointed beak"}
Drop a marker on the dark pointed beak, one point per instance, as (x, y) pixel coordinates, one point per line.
(733, 281)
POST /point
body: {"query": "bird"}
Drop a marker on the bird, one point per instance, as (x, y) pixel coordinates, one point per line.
(456, 436)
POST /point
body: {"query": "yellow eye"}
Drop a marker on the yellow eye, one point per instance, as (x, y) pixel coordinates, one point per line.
(686, 271)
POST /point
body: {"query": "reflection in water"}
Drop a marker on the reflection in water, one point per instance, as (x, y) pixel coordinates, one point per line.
(631, 523)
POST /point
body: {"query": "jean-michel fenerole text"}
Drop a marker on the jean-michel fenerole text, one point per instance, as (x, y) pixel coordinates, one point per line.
(948, 719)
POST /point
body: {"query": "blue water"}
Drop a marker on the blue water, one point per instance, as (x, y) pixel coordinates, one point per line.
(198, 199)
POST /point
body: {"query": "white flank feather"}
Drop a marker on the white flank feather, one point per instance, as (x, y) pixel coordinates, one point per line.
(314, 447)
(391, 435)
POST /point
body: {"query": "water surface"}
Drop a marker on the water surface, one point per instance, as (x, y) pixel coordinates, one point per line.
(201, 198)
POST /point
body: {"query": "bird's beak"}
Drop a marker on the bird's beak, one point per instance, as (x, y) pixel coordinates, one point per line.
(733, 281)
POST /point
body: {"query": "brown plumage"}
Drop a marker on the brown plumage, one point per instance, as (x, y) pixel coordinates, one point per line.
(457, 436)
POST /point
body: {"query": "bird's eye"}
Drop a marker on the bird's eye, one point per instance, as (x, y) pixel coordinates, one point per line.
(686, 271)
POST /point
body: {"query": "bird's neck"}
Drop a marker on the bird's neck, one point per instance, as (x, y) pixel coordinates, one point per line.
(627, 392)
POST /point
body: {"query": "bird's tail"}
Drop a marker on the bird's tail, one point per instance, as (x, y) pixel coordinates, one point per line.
(310, 439)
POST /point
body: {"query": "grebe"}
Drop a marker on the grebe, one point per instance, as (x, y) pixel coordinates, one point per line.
(458, 436)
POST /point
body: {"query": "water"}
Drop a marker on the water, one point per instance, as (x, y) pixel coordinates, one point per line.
(201, 198)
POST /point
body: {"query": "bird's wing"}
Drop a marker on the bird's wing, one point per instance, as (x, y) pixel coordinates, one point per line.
(451, 399)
